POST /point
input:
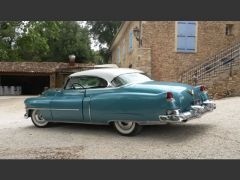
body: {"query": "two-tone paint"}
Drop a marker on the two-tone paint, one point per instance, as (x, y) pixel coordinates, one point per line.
(140, 102)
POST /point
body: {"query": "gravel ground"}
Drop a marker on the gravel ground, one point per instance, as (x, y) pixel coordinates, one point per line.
(214, 136)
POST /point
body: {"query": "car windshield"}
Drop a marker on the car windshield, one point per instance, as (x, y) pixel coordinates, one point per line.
(129, 78)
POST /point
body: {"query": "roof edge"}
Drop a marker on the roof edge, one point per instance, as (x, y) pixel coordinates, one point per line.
(119, 30)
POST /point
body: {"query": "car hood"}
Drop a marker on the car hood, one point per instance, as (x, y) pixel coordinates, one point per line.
(51, 92)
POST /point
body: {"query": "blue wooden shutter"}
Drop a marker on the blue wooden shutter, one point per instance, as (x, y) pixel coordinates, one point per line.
(181, 36)
(186, 37)
(130, 40)
(124, 51)
(191, 36)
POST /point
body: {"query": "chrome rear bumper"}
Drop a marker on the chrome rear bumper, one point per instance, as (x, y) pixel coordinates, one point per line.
(195, 112)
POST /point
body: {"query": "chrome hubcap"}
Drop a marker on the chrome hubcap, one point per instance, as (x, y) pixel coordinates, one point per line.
(38, 118)
(125, 127)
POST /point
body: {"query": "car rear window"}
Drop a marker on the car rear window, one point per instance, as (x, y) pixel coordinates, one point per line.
(129, 78)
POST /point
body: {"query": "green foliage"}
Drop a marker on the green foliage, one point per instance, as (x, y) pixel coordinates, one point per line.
(44, 41)
(72, 39)
(104, 32)
(8, 35)
(55, 40)
(98, 57)
(32, 45)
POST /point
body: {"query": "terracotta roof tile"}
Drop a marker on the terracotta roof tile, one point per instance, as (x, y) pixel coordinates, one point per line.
(38, 67)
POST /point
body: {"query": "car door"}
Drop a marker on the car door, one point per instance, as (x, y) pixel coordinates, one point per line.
(67, 105)
(72, 104)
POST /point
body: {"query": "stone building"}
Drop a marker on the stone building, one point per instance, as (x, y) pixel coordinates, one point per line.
(170, 50)
(160, 51)
(34, 77)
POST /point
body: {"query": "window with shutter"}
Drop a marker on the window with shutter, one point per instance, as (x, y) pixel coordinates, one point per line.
(118, 55)
(130, 41)
(124, 51)
(186, 36)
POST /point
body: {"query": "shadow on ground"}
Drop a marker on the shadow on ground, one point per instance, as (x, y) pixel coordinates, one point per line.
(176, 133)
(173, 133)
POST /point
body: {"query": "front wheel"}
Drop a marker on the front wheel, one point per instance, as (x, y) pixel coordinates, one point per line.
(38, 119)
(127, 128)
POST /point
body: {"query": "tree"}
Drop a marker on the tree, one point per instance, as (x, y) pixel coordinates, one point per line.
(44, 41)
(72, 39)
(97, 58)
(54, 41)
(32, 45)
(9, 32)
(104, 32)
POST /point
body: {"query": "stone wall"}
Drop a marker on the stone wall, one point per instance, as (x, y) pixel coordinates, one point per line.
(60, 79)
(62, 74)
(160, 37)
(52, 80)
(143, 60)
(158, 55)
(167, 64)
(140, 58)
(224, 84)
(122, 42)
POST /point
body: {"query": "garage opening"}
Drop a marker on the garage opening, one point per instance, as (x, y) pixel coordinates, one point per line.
(30, 85)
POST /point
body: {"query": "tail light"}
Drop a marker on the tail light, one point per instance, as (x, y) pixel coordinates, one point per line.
(203, 88)
(169, 96)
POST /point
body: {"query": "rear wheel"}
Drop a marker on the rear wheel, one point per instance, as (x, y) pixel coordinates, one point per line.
(127, 128)
(38, 119)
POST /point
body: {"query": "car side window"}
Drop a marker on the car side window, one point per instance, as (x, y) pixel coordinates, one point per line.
(73, 83)
(117, 82)
(86, 82)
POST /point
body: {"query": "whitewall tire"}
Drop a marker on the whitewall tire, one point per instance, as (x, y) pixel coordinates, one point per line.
(38, 119)
(127, 128)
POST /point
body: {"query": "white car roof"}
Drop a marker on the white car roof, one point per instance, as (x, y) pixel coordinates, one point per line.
(106, 66)
(106, 73)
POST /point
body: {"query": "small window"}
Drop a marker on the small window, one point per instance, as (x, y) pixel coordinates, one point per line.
(229, 29)
(131, 41)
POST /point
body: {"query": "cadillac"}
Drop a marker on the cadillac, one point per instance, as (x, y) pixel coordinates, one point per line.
(125, 98)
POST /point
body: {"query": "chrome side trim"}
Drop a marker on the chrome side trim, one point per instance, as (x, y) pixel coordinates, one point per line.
(80, 122)
(54, 109)
(66, 109)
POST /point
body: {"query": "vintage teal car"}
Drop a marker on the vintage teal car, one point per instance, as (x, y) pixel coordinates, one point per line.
(125, 98)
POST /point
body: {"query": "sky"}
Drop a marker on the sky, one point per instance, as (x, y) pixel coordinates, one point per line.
(94, 43)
